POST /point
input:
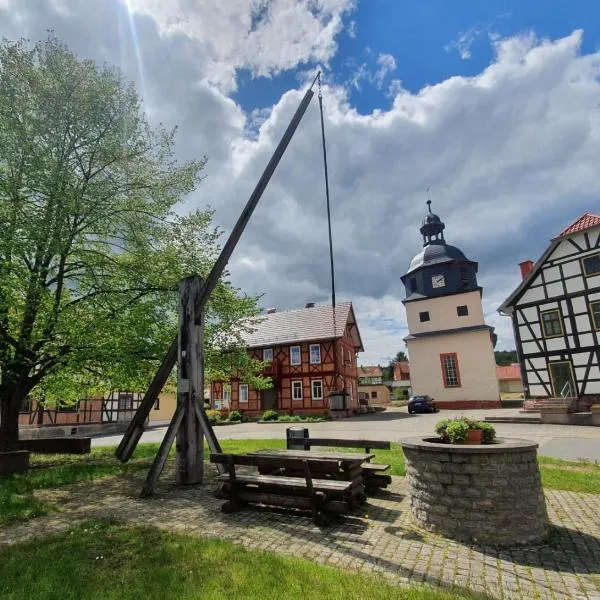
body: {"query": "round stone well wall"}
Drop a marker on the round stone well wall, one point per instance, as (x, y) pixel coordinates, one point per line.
(488, 494)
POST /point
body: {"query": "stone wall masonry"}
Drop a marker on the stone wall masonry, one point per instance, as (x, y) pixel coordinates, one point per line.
(488, 494)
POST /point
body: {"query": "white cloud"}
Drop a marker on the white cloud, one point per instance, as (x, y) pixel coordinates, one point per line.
(385, 64)
(510, 156)
(465, 39)
(264, 36)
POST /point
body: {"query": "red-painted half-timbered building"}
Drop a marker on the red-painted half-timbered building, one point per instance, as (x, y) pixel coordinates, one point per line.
(299, 347)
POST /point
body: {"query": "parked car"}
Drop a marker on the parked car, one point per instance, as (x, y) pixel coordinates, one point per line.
(419, 404)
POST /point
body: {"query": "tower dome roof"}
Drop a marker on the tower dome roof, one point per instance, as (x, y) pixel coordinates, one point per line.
(434, 254)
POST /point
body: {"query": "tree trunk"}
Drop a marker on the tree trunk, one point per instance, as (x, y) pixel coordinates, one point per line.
(9, 423)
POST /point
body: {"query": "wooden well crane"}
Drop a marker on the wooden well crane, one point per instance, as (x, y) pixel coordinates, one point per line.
(190, 423)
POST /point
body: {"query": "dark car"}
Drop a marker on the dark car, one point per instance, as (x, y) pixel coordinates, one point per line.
(420, 404)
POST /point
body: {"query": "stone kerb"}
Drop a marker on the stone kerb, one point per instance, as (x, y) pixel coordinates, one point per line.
(487, 494)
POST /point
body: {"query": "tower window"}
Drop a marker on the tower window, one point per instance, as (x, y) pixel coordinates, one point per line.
(462, 311)
(424, 316)
(450, 372)
(413, 284)
(551, 323)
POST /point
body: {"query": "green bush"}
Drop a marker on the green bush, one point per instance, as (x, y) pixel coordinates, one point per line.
(237, 416)
(270, 415)
(489, 432)
(456, 430)
(214, 416)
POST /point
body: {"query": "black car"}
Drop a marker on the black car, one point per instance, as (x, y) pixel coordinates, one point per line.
(420, 404)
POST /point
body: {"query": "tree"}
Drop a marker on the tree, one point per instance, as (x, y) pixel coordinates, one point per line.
(506, 357)
(388, 372)
(91, 251)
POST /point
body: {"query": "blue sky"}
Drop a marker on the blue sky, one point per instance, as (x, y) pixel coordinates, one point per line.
(423, 37)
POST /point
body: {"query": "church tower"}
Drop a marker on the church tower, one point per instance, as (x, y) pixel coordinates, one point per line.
(450, 348)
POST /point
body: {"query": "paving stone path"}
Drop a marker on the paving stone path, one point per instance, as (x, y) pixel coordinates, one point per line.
(381, 539)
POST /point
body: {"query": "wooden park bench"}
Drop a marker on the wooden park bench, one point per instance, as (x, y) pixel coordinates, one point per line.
(323, 497)
(374, 474)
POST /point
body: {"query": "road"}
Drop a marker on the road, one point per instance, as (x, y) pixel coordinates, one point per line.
(560, 441)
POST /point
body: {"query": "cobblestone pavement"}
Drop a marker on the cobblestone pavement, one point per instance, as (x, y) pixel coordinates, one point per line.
(381, 539)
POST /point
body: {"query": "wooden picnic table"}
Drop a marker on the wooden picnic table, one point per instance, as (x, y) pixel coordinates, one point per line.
(350, 465)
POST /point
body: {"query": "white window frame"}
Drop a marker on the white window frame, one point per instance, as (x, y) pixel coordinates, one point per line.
(243, 387)
(294, 381)
(292, 363)
(312, 389)
(266, 352)
(227, 393)
(318, 347)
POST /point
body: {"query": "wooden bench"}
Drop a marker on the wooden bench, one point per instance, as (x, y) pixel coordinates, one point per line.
(321, 496)
(373, 473)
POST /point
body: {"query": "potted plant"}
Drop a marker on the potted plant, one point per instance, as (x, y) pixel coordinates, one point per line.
(462, 430)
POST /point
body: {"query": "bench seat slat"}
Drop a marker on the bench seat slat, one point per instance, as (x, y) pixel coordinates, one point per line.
(375, 467)
(291, 482)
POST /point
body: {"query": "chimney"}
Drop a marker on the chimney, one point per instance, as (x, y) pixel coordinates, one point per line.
(309, 305)
(526, 267)
(270, 311)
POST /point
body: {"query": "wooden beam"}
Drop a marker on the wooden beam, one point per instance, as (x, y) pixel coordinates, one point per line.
(136, 427)
(149, 488)
(190, 384)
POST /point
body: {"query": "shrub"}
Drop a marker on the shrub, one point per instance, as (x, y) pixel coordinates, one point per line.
(214, 416)
(489, 432)
(270, 415)
(457, 431)
(236, 415)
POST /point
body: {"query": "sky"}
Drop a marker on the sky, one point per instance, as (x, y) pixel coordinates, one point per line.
(493, 106)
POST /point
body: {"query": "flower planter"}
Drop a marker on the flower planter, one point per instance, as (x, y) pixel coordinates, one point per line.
(474, 436)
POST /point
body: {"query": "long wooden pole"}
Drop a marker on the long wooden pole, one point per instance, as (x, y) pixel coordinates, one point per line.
(136, 425)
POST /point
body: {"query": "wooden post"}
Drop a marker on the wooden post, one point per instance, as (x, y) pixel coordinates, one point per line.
(190, 383)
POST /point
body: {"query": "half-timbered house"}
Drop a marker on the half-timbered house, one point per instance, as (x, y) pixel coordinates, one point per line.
(556, 315)
(299, 347)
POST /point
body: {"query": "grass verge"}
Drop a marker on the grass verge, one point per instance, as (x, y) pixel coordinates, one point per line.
(106, 561)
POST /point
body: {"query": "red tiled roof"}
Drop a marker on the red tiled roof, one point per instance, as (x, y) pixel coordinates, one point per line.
(586, 221)
(511, 372)
(369, 371)
(401, 368)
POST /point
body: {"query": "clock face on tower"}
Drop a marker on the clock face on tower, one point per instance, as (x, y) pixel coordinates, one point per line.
(438, 281)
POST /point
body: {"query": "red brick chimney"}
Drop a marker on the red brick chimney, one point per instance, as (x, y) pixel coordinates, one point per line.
(526, 267)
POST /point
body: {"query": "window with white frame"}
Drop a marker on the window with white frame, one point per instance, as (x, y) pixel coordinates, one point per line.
(317, 389)
(268, 355)
(315, 354)
(244, 392)
(297, 390)
(295, 356)
(227, 393)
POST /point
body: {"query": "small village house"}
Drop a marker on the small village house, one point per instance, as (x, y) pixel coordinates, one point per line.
(509, 379)
(371, 388)
(555, 313)
(303, 352)
(401, 383)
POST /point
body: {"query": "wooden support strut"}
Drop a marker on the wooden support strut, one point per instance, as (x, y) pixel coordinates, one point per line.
(136, 426)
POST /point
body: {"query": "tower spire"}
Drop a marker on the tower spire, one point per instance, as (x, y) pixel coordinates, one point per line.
(432, 228)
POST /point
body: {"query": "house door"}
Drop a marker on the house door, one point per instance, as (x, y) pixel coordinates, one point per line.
(563, 383)
(269, 399)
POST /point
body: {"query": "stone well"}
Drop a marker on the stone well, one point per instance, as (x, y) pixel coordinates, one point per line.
(489, 494)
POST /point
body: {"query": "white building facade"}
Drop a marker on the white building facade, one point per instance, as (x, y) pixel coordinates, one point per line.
(450, 347)
(556, 316)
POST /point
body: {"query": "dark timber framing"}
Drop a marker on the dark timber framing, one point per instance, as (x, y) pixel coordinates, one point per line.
(558, 283)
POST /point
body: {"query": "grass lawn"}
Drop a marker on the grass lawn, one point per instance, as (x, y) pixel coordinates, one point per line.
(104, 561)
(17, 501)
